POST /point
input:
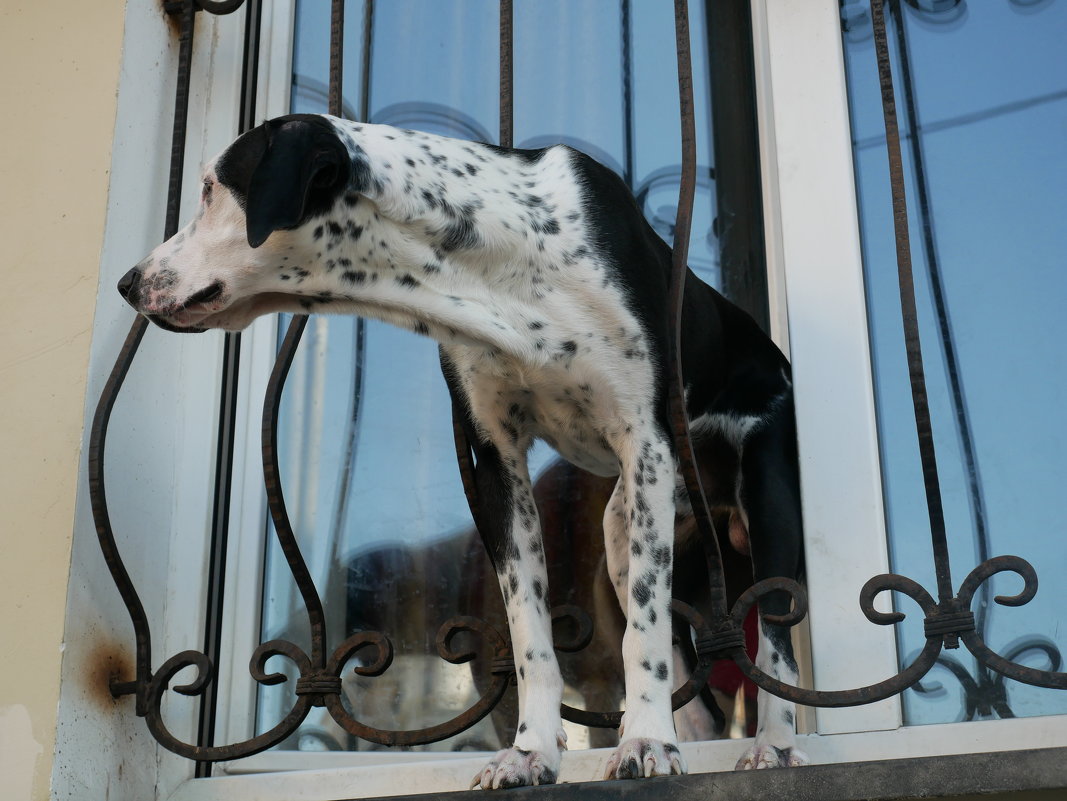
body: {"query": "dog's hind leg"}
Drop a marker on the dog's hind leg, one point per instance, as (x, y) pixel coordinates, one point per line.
(639, 539)
(770, 501)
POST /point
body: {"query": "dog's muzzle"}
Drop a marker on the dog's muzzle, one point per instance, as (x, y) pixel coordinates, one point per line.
(129, 286)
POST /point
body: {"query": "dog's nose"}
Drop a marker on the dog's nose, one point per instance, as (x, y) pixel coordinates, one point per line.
(128, 286)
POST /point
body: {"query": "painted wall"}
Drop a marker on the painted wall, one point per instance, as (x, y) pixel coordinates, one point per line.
(61, 72)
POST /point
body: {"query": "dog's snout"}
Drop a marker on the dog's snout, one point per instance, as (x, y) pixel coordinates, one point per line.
(128, 286)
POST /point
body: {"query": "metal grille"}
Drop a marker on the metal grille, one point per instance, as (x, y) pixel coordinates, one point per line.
(717, 629)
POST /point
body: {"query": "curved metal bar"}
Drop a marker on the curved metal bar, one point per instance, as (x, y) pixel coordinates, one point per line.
(104, 533)
(974, 641)
(990, 658)
(838, 698)
(163, 735)
(106, 404)
(1000, 564)
(503, 670)
(257, 664)
(357, 642)
(699, 677)
(283, 529)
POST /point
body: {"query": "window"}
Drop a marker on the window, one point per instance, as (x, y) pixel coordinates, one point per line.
(982, 100)
(825, 299)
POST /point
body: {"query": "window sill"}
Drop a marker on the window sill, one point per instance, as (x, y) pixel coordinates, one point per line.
(911, 762)
(1042, 771)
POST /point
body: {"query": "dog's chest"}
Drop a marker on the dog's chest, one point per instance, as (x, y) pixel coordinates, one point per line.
(579, 403)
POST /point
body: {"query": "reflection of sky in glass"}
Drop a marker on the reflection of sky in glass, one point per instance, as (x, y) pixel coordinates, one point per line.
(435, 68)
(990, 87)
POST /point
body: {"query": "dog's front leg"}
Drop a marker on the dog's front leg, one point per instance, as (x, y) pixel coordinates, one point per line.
(639, 539)
(512, 534)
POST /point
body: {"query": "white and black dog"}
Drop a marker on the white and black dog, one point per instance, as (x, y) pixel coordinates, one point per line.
(547, 291)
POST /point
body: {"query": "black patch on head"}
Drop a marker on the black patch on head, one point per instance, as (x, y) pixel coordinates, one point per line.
(287, 171)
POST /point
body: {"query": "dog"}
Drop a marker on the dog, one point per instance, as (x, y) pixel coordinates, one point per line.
(547, 292)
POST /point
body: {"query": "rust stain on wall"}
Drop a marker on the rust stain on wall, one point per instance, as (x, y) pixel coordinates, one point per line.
(106, 662)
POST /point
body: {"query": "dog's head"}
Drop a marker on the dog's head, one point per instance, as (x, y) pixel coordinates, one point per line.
(257, 201)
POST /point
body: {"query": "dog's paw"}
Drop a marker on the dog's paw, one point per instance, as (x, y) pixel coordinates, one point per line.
(640, 757)
(514, 767)
(759, 757)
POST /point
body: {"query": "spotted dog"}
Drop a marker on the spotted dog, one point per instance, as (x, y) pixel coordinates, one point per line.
(547, 291)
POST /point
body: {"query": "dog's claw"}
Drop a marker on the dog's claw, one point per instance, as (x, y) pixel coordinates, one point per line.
(641, 757)
(514, 767)
(760, 757)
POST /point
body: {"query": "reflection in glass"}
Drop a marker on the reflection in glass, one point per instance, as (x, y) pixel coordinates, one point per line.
(982, 99)
(367, 456)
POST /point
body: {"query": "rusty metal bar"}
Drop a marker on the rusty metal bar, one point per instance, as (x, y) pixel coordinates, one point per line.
(920, 401)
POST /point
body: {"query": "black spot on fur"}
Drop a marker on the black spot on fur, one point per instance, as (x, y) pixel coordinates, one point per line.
(407, 280)
(641, 592)
(661, 671)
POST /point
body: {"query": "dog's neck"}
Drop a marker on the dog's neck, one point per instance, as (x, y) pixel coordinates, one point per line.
(464, 261)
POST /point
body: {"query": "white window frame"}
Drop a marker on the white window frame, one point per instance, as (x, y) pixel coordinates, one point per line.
(815, 270)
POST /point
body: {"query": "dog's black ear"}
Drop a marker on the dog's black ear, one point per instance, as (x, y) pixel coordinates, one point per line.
(302, 170)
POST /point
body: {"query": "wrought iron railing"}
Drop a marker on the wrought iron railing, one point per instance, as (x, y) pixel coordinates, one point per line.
(717, 629)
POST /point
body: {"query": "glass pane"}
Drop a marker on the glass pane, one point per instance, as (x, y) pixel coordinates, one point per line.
(982, 97)
(367, 454)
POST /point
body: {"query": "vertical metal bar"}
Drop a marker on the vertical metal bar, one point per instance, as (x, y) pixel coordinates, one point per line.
(626, 12)
(937, 290)
(231, 362)
(368, 63)
(507, 109)
(920, 401)
(683, 226)
(337, 52)
(181, 117)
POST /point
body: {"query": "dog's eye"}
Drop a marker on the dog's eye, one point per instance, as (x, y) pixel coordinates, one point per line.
(205, 192)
